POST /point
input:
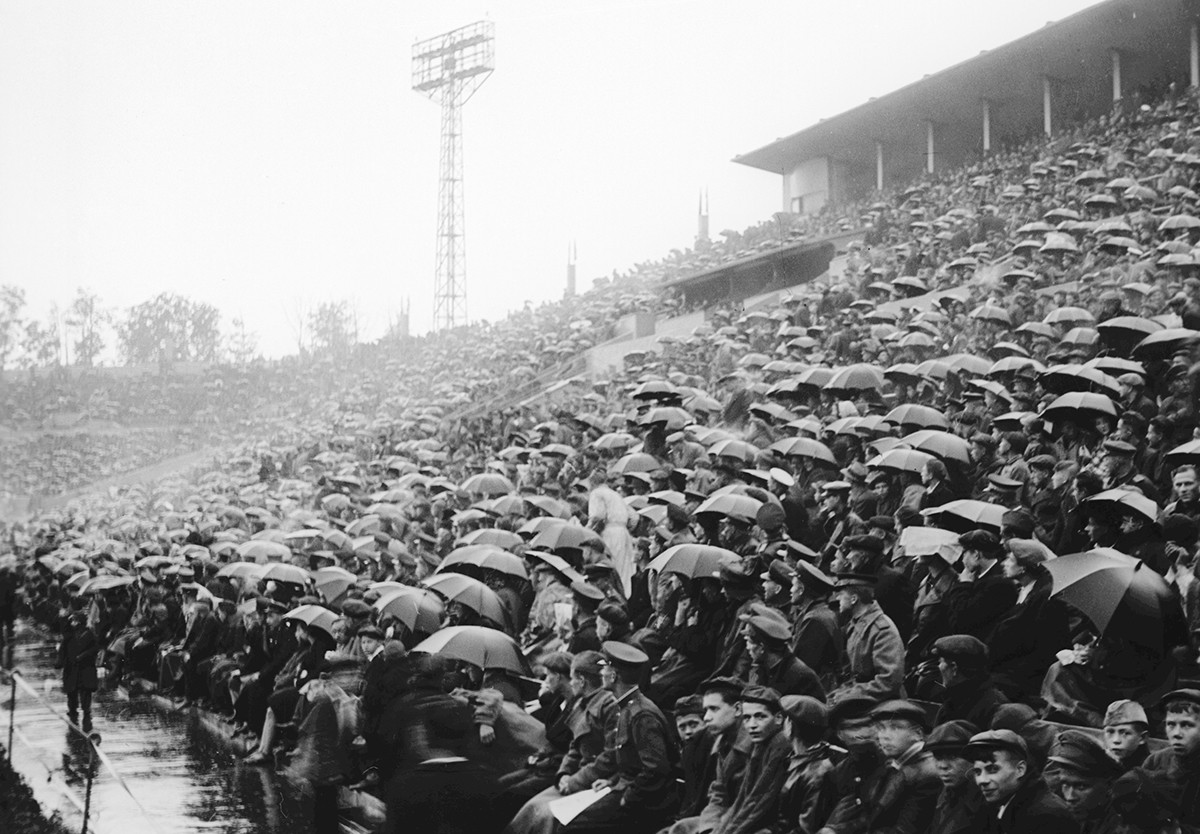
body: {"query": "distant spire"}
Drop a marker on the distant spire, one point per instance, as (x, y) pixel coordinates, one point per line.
(571, 254)
(702, 218)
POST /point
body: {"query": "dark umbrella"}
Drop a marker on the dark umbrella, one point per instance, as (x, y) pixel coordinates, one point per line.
(1164, 343)
(1123, 333)
(488, 483)
(1118, 593)
(940, 444)
(418, 608)
(562, 533)
(468, 591)
(967, 514)
(733, 505)
(1080, 405)
(486, 648)
(914, 417)
(485, 556)
(1061, 379)
(695, 561)
(804, 447)
(635, 462)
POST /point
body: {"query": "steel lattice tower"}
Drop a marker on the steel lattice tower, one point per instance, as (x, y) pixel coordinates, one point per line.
(449, 69)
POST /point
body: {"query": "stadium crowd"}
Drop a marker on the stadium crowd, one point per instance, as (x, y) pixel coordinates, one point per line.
(912, 550)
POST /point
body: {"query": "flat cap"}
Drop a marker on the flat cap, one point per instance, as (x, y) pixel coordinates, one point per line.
(855, 472)
(998, 740)
(724, 685)
(613, 613)
(623, 654)
(1042, 462)
(836, 486)
(805, 711)
(1120, 447)
(851, 708)
(587, 663)
(982, 540)
(274, 606)
(356, 608)
(902, 709)
(1125, 712)
(1084, 755)
(761, 695)
(950, 738)
(959, 647)
(689, 705)
(983, 440)
(771, 627)
(371, 631)
(1191, 696)
(736, 574)
(869, 543)
(1028, 552)
(770, 516)
(1003, 483)
(883, 522)
(677, 514)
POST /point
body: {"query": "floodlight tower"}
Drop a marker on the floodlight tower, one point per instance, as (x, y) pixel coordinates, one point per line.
(449, 69)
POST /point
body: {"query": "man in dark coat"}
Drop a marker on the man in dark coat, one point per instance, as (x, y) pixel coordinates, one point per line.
(809, 794)
(893, 591)
(1179, 764)
(817, 638)
(984, 594)
(77, 657)
(201, 642)
(1018, 801)
(771, 663)
(969, 694)
(960, 807)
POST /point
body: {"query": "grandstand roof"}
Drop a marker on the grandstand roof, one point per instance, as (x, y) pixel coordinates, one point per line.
(780, 266)
(1151, 35)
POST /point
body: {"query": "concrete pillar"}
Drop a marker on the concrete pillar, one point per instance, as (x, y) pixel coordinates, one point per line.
(1047, 123)
(879, 166)
(987, 127)
(1116, 76)
(1195, 55)
(929, 147)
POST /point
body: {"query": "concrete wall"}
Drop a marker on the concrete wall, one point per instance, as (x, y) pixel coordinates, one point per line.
(808, 182)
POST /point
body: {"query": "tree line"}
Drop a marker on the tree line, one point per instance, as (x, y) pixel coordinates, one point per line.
(165, 329)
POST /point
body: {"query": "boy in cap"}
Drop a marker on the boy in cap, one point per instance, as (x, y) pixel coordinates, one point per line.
(1126, 728)
(969, 693)
(905, 787)
(1017, 799)
(727, 743)
(809, 793)
(1083, 774)
(748, 805)
(960, 804)
(1179, 764)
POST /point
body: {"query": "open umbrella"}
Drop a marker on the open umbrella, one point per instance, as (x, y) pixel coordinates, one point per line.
(264, 551)
(504, 539)
(488, 483)
(695, 561)
(1073, 316)
(861, 377)
(1011, 364)
(804, 447)
(485, 556)
(673, 417)
(486, 648)
(901, 460)
(418, 608)
(331, 583)
(1164, 343)
(992, 313)
(739, 450)
(1187, 453)
(614, 441)
(1126, 499)
(557, 562)
(733, 505)
(941, 444)
(966, 514)
(1060, 379)
(313, 616)
(1118, 593)
(105, 583)
(243, 570)
(281, 572)
(914, 417)
(468, 591)
(635, 462)
(1079, 405)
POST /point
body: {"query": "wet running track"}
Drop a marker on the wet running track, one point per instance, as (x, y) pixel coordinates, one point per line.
(183, 781)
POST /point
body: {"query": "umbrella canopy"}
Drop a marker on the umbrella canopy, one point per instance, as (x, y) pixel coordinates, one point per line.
(733, 505)
(557, 562)
(966, 514)
(1060, 379)
(243, 570)
(418, 608)
(488, 483)
(486, 648)
(485, 556)
(468, 591)
(695, 561)
(859, 377)
(940, 444)
(804, 447)
(635, 462)
(313, 616)
(1164, 343)
(1118, 593)
(1127, 500)
(1079, 405)
(914, 417)
(739, 450)
(1069, 315)
(993, 313)
(281, 572)
(1187, 453)
(105, 583)
(331, 583)
(503, 539)
(263, 551)
(1011, 364)
(615, 441)
(901, 460)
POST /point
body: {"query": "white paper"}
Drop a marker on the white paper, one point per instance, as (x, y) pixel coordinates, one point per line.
(569, 807)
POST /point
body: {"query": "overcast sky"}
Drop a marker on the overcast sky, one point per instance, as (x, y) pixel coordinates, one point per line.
(267, 156)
